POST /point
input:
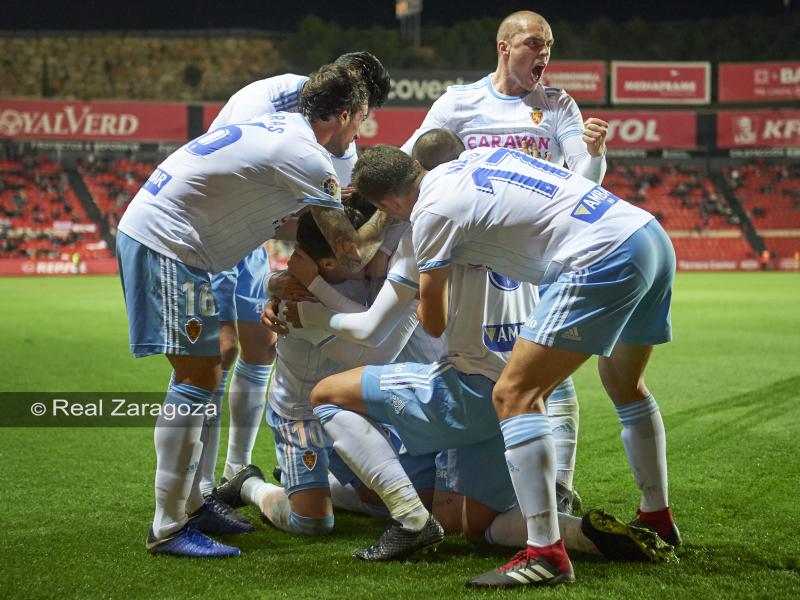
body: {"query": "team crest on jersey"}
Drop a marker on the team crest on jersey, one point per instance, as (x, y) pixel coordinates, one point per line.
(310, 459)
(536, 115)
(193, 329)
(330, 185)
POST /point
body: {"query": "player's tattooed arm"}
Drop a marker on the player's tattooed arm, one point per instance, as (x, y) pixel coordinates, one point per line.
(433, 300)
(353, 249)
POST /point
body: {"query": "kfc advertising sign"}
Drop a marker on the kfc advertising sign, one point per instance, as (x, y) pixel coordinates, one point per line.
(653, 129)
(92, 121)
(759, 82)
(758, 129)
(660, 83)
(584, 81)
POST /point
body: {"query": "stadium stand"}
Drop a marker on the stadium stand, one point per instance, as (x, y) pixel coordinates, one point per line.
(770, 195)
(701, 223)
(40, 215)
(113, 183)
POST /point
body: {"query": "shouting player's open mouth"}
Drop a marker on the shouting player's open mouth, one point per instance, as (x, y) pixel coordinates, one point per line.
(536, 73)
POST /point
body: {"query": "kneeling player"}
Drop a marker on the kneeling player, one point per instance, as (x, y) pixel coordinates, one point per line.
(303, 505)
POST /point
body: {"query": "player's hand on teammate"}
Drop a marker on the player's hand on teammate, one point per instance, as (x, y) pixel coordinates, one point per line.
(347, 192)
(291, 314)
(302, 267)
(533, 150)
(286, 286)
(378, 266)
(594, 135)
(270, 318)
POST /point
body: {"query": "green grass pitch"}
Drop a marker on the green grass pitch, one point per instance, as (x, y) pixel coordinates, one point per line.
(77, 502)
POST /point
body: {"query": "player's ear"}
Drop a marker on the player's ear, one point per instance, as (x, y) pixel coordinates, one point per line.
(344, 115)
(327, 264)
(502, 47)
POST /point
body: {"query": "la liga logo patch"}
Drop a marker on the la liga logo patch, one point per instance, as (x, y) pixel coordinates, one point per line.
(330, 185)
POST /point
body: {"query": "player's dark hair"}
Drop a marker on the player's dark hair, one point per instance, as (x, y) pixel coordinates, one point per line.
(384, 170)
(332, 90)
(310, 238)
(374, 74)
(435, 147)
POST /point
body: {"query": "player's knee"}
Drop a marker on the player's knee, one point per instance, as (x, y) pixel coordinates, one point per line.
(312, 526)
(323, 393)
(504, 399)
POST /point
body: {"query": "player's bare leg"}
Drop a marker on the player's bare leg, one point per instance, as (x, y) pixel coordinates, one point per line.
(532, 373)
(643, 434)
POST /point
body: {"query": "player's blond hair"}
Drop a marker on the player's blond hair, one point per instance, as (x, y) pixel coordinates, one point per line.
(515, 23)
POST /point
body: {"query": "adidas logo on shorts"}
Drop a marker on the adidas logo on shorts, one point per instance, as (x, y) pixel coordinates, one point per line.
(398, 405)
(572, 334)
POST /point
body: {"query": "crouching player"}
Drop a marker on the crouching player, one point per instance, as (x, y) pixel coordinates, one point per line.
(303, 505)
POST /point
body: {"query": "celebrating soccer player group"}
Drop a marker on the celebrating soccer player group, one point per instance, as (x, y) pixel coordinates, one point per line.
(424, 334)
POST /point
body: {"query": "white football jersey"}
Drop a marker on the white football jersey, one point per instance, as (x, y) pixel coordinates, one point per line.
(300, 364)
(277, 94)
(525, 218)
(484, 118)
(421, 347)
(499, 304)
(213, 201)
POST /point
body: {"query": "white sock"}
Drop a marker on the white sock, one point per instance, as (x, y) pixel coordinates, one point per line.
(509, 529)
(370, 456)
(270, 499)
(562, 408)
(208, 462)
(178, 450)
(246, 399)
(531, 458)
(345, 497)
(646, 446)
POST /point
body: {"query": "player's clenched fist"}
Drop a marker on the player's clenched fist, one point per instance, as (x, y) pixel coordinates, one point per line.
(271, 319)
(594, 135)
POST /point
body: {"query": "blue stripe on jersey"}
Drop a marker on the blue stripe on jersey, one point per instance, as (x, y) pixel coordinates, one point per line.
(569, 133)
(434, 264)
(320, 202)
(469, 86)
(498, 95)
(403, 281)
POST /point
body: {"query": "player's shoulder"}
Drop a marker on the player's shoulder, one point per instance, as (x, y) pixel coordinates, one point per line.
(557, 96)
(457, 92)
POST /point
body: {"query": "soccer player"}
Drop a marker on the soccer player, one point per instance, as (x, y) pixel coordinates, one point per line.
(511, 108)
(239, 292)
(477, 470)
(609, 268)
(305, 357)
(202, 210)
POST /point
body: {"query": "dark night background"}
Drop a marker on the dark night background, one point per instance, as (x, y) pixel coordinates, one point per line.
(284, 16)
